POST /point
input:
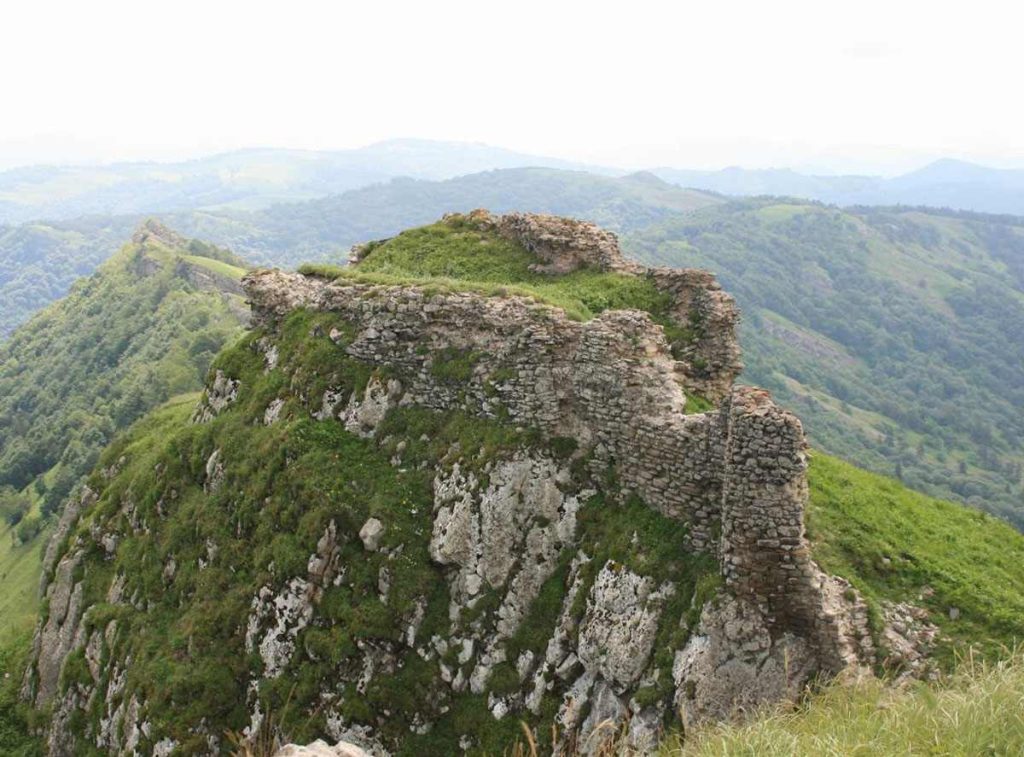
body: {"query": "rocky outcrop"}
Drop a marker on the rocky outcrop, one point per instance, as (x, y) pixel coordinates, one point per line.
(322, 749)
(221, 392)
(151, 230)
(598, 407)
(561, 244)
(736, 476)
(207, 279)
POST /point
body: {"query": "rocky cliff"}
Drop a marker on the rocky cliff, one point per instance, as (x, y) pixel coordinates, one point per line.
(410, 515)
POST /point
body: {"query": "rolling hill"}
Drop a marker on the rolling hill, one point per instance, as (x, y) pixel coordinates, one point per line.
(249, 179)
(946, 183)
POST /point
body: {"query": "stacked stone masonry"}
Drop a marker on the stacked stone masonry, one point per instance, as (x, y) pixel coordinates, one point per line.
(736, 476)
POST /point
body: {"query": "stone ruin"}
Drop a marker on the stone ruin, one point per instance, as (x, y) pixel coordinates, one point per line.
(736, 475)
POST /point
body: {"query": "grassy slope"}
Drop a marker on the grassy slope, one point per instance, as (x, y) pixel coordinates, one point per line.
(892, 543)
(19, 582)
(15, 740)
(979, 711)
(894, 334)
(216, 266)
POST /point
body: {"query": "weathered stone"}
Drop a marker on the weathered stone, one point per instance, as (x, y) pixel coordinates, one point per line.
(219, 394)
(371, 534)
(322, 749)
(618, 630)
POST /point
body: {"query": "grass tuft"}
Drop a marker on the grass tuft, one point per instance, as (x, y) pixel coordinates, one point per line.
(978, 710)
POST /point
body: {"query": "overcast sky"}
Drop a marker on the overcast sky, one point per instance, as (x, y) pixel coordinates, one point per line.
(856, 86)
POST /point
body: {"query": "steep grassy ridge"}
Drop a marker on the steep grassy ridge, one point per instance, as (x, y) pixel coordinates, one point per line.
(896, 544)
(133, 334)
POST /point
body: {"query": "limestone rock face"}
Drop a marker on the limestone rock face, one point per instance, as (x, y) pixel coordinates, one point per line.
(733, 662)
(61, 633)
(221, 393)
(370, 534)
(322, 749)
(618, 631)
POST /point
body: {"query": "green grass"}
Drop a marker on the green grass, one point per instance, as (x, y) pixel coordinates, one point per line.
(978, 711)
(15, 740)
(892, 543)
(216, 266)
(19, 579)
(455, 255)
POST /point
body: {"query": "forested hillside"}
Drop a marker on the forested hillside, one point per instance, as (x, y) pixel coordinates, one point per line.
(39, 261)
(141, 329)
(896, 334)
(325, 229)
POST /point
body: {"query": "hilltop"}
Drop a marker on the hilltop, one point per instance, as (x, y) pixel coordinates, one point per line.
(495, 471)
(140, 330)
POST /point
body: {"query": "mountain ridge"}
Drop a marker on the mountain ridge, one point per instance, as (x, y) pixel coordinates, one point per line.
(338, 522)
(141, 328)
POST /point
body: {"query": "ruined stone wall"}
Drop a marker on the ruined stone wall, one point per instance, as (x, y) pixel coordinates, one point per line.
(735, 475)
(561, 244)
(711, 362)
(610, 383)
(764, 554)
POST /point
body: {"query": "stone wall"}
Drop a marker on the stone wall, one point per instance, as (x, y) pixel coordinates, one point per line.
(736, 476)
(610, 383)
(709, 364)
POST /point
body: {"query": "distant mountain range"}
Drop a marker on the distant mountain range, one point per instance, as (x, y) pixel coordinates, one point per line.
(254, 179)
(946, 183)
(244, 179)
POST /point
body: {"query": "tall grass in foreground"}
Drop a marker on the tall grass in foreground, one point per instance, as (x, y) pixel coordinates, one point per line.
(979, 710)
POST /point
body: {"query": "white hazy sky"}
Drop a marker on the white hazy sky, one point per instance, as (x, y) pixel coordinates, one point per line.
(856, 86)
